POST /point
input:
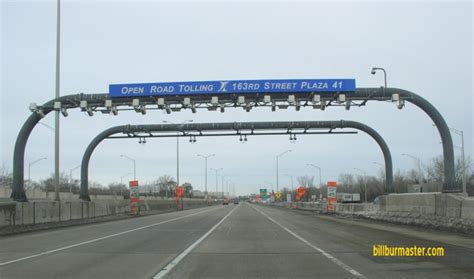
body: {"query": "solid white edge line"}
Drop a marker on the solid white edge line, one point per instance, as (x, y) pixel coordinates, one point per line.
(183, 254)
(100, 238)
(326, 254)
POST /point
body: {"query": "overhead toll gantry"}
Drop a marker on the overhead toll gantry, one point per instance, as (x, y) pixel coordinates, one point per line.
(221, 95)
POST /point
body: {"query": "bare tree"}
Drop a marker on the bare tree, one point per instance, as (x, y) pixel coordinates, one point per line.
(306, 181)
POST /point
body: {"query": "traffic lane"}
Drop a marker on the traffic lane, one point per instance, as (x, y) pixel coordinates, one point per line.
(138, 254)
(21, 245)
(249, 245)
(353, 243)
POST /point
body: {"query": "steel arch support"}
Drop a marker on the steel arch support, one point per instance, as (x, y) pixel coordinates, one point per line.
(235, 126)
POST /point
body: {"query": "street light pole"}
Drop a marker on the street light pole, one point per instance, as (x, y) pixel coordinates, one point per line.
(418, 161)
(134, 166)
(365, 183)
(122, 177)
(29, 169)
(463, 162)
(70, 177)
(292, 185)
(278, 156)
(177, 149)
(56, 130)
(217, 183)
(383, 168)
(205, 170)
(374, 69)
(314, 166)
(222, 185)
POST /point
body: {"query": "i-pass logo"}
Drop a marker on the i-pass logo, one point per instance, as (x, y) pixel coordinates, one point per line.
(232, 86)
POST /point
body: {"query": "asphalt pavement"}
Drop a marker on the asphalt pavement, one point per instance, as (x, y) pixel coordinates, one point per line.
(234, 241)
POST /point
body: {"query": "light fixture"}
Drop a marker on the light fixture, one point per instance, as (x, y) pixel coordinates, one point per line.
(215, 100)
(317, 99)
(273, 107)
(83, 105)
(248, 107)
(400, 104)
(341, 98)
(143, 110)
(160, 102)
(291, 99)
(348, 105)
(168, 109)
(40, 113)
(323, 105)
(187, 101)
(90, 112)
(298, 106)
(33, 107)
(113, 110)
(193, 108)
(64, 112)
(108, 104)
(222, 108)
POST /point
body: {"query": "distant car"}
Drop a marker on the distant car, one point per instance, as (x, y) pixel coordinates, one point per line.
(236, 201)
(225, 202)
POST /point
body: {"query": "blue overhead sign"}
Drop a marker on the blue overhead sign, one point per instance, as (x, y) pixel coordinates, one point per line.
(232, 86)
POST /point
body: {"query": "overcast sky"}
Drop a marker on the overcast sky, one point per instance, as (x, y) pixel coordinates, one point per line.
(426, 47)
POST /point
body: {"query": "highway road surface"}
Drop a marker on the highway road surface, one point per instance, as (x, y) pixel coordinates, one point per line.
(235, 241)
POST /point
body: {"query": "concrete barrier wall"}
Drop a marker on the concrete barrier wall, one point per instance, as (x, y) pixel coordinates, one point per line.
(37, 212)
(438, 210)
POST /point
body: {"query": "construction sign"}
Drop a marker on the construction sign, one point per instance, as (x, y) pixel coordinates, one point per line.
(278, 195)
(299, 193)
(179, 191)
(179, 197)
(134, 197)
(331, 196)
